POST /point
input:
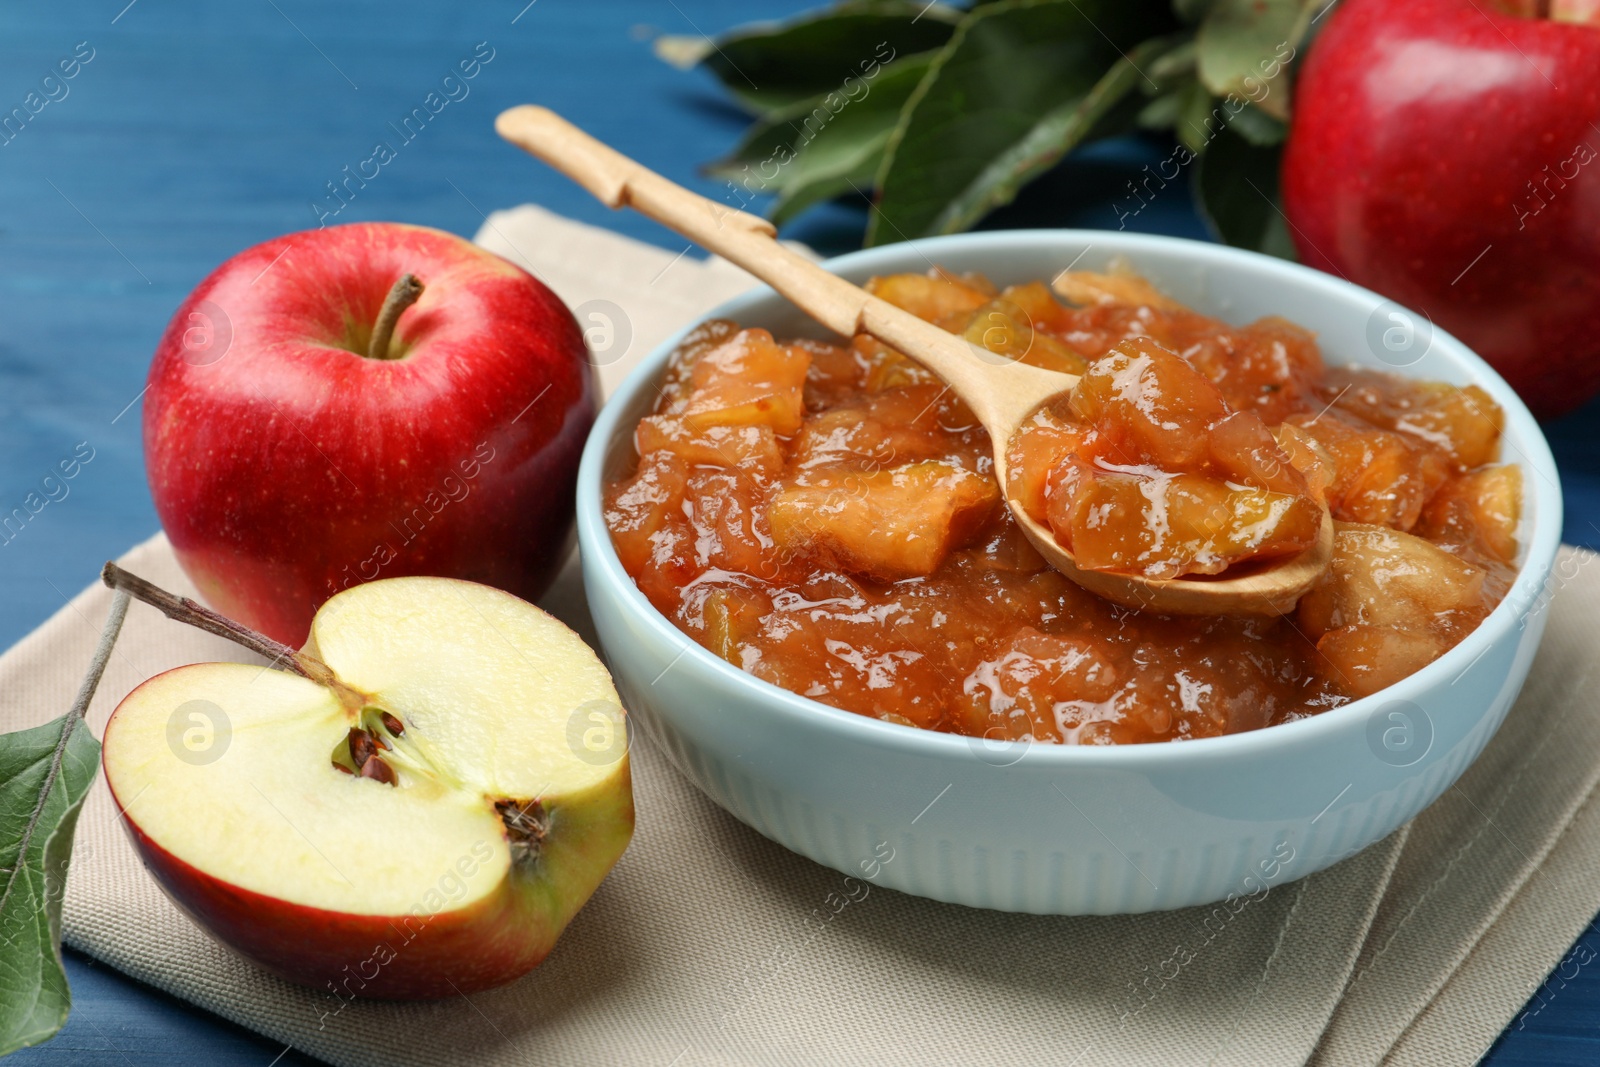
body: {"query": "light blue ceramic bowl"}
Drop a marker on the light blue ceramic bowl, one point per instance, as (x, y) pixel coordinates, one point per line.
(1067, 830)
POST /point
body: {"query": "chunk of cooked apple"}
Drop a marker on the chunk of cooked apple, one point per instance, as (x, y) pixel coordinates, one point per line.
(1477, 513)
(1123, 288)
(945, 299)
(1390, 604)
(884, 524)
(1165, 525)
(1145, 470)
(1376, 477)
(751, 447)
(1462, 421)
(748, 380)
(1014, 325)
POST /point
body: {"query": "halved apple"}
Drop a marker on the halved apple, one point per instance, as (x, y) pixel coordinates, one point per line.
(426, 826)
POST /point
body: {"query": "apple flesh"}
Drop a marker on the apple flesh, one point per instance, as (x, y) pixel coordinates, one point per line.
(1447, 155)
(289, 460)
(497, 794)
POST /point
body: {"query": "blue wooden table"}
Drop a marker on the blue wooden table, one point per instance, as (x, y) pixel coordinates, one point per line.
(193, 131)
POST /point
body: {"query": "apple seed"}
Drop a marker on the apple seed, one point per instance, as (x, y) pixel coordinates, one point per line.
(375, 768)
(362, 746)
(392, 724)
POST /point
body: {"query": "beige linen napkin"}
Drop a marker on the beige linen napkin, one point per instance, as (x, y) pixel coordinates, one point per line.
(699, 948)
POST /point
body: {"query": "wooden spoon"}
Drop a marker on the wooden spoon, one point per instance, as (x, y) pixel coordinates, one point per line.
(1000, 392)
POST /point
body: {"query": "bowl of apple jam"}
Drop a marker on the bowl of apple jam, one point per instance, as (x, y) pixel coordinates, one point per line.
(811, 591)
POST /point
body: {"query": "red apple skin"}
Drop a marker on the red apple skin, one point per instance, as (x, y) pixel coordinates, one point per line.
(286, 467)
(1417, 130)
(436, 952)
(426, 957)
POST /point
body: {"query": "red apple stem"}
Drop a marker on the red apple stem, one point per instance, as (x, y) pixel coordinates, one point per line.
(402, 295)
(182, 609)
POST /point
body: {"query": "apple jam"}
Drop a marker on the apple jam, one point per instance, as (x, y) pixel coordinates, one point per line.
(826, 516)
(1145, 469)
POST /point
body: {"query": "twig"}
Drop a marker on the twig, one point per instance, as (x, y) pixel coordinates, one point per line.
(182, 609)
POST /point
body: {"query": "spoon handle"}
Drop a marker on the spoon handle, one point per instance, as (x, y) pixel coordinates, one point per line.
(998, 391)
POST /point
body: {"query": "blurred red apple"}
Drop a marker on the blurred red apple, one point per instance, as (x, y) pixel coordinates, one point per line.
(290, 459)
(1446, 153)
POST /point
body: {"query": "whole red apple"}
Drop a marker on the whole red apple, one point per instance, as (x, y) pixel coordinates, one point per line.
(291, 457)
(1447, 155)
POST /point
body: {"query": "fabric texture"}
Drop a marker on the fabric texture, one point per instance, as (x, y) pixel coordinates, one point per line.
(698, 948)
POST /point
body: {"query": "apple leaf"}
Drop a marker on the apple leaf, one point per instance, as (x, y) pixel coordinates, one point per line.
(45, 774)
(811, 152)
(1198, 118)
(1258, 127)
(1020, 83)
(1054, 134)
(966, 105)
(1236, 189)
(1162, 112)
(1192, 11)
(1176, 64)
(1245, 47)
(770, 67)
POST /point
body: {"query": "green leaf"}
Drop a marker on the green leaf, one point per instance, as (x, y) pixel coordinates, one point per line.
(1163, 112)
(1056, 133)
(1236, 189)
(1246, 46)
(1192, 11)
(1200, 116)
(824, 148)
(1176, 65)
(1019, 84)
(770, 67)
(45, 774)
(1258, 127)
